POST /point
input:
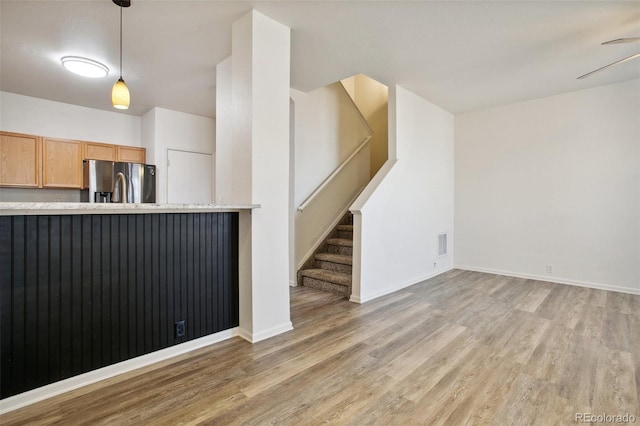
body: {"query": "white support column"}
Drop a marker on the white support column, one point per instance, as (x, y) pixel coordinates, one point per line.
(260, 134)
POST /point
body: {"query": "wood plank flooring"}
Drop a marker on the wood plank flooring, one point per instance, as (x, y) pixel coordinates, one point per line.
(461, 348)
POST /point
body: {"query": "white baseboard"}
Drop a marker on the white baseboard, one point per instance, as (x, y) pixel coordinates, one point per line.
(293, 283)
(394, 288)
(552, 279)
(66, 385)
(355, 299)
(265, 334)
(246, 335)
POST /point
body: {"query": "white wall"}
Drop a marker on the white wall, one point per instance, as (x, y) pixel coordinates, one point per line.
(410, 201)
(24, 114)
(553, 181)
(178, 131)
(189, 177)
(242, 67)
(372, 99)
(260, 64)
(328, 129)
(148, 125)
(349, 85)
(224, 142)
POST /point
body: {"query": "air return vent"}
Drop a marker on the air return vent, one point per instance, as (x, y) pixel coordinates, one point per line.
(442, 244)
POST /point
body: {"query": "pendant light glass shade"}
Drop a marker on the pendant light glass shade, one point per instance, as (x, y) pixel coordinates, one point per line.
(120, 95)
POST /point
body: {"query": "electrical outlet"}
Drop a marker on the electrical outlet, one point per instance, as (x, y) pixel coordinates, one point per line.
(549, 269)
(180, 328)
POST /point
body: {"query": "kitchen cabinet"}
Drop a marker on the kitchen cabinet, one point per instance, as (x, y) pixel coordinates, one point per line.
(131, 154)
(108, 152)
(20, 157)
(40, 162)
(61, 163)
(99, 151)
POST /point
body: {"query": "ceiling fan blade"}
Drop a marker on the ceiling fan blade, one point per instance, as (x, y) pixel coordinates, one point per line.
(637, 55)
(623, 40)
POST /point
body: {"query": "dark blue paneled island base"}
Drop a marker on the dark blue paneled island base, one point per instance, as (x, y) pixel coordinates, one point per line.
(83, 291)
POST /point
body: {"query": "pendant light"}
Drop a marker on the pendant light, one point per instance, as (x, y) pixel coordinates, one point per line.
(120, 93)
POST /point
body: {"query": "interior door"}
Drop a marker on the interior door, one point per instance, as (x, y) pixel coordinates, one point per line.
(189, 177)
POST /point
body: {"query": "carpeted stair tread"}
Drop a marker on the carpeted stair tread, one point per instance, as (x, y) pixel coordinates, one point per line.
(340, 242)
(331, 265)
(335, 258)
(329, 276)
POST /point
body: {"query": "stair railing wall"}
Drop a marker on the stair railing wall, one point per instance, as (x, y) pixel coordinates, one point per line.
(319, 212)
(333, 174)
(338, 169)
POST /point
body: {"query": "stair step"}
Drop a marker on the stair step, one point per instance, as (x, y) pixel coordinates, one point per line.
(340, 246)
(341, 290)
(328, 276)
(340, 250)
(340, 242)
(335, 258)
(345, 231)
(321, 279)
(334, 267)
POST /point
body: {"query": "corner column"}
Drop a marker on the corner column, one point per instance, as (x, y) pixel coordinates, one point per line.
(260, 83)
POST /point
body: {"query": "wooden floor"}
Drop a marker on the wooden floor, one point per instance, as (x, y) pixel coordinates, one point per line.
(462, 348)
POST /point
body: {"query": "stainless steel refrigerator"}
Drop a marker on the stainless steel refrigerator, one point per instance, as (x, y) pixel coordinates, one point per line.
(114, 182)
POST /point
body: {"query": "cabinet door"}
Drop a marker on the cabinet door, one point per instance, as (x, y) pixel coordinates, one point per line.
(19, 160)
(62, 163)
(99, 151)
(131, 154)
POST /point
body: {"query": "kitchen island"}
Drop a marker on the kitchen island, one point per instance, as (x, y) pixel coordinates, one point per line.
(84, 286)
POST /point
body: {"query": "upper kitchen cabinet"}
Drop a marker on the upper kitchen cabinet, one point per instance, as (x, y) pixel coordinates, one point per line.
(19, 160)
(61, 163)
(99, 151)
(131, 154)
(108, 152)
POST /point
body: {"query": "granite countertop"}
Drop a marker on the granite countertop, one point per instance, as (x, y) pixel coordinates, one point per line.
(19, 209)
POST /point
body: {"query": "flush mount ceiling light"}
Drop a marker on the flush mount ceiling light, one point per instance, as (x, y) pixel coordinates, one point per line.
(84, 66)
(120, 97)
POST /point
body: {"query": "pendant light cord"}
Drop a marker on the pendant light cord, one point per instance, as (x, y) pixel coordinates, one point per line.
(121, 42)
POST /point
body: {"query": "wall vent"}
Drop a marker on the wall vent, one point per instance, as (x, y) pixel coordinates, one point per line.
(442, 244)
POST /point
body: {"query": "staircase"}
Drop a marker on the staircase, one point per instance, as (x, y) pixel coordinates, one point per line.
(329, 268)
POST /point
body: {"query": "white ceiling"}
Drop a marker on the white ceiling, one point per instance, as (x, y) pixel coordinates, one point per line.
(461, 56)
